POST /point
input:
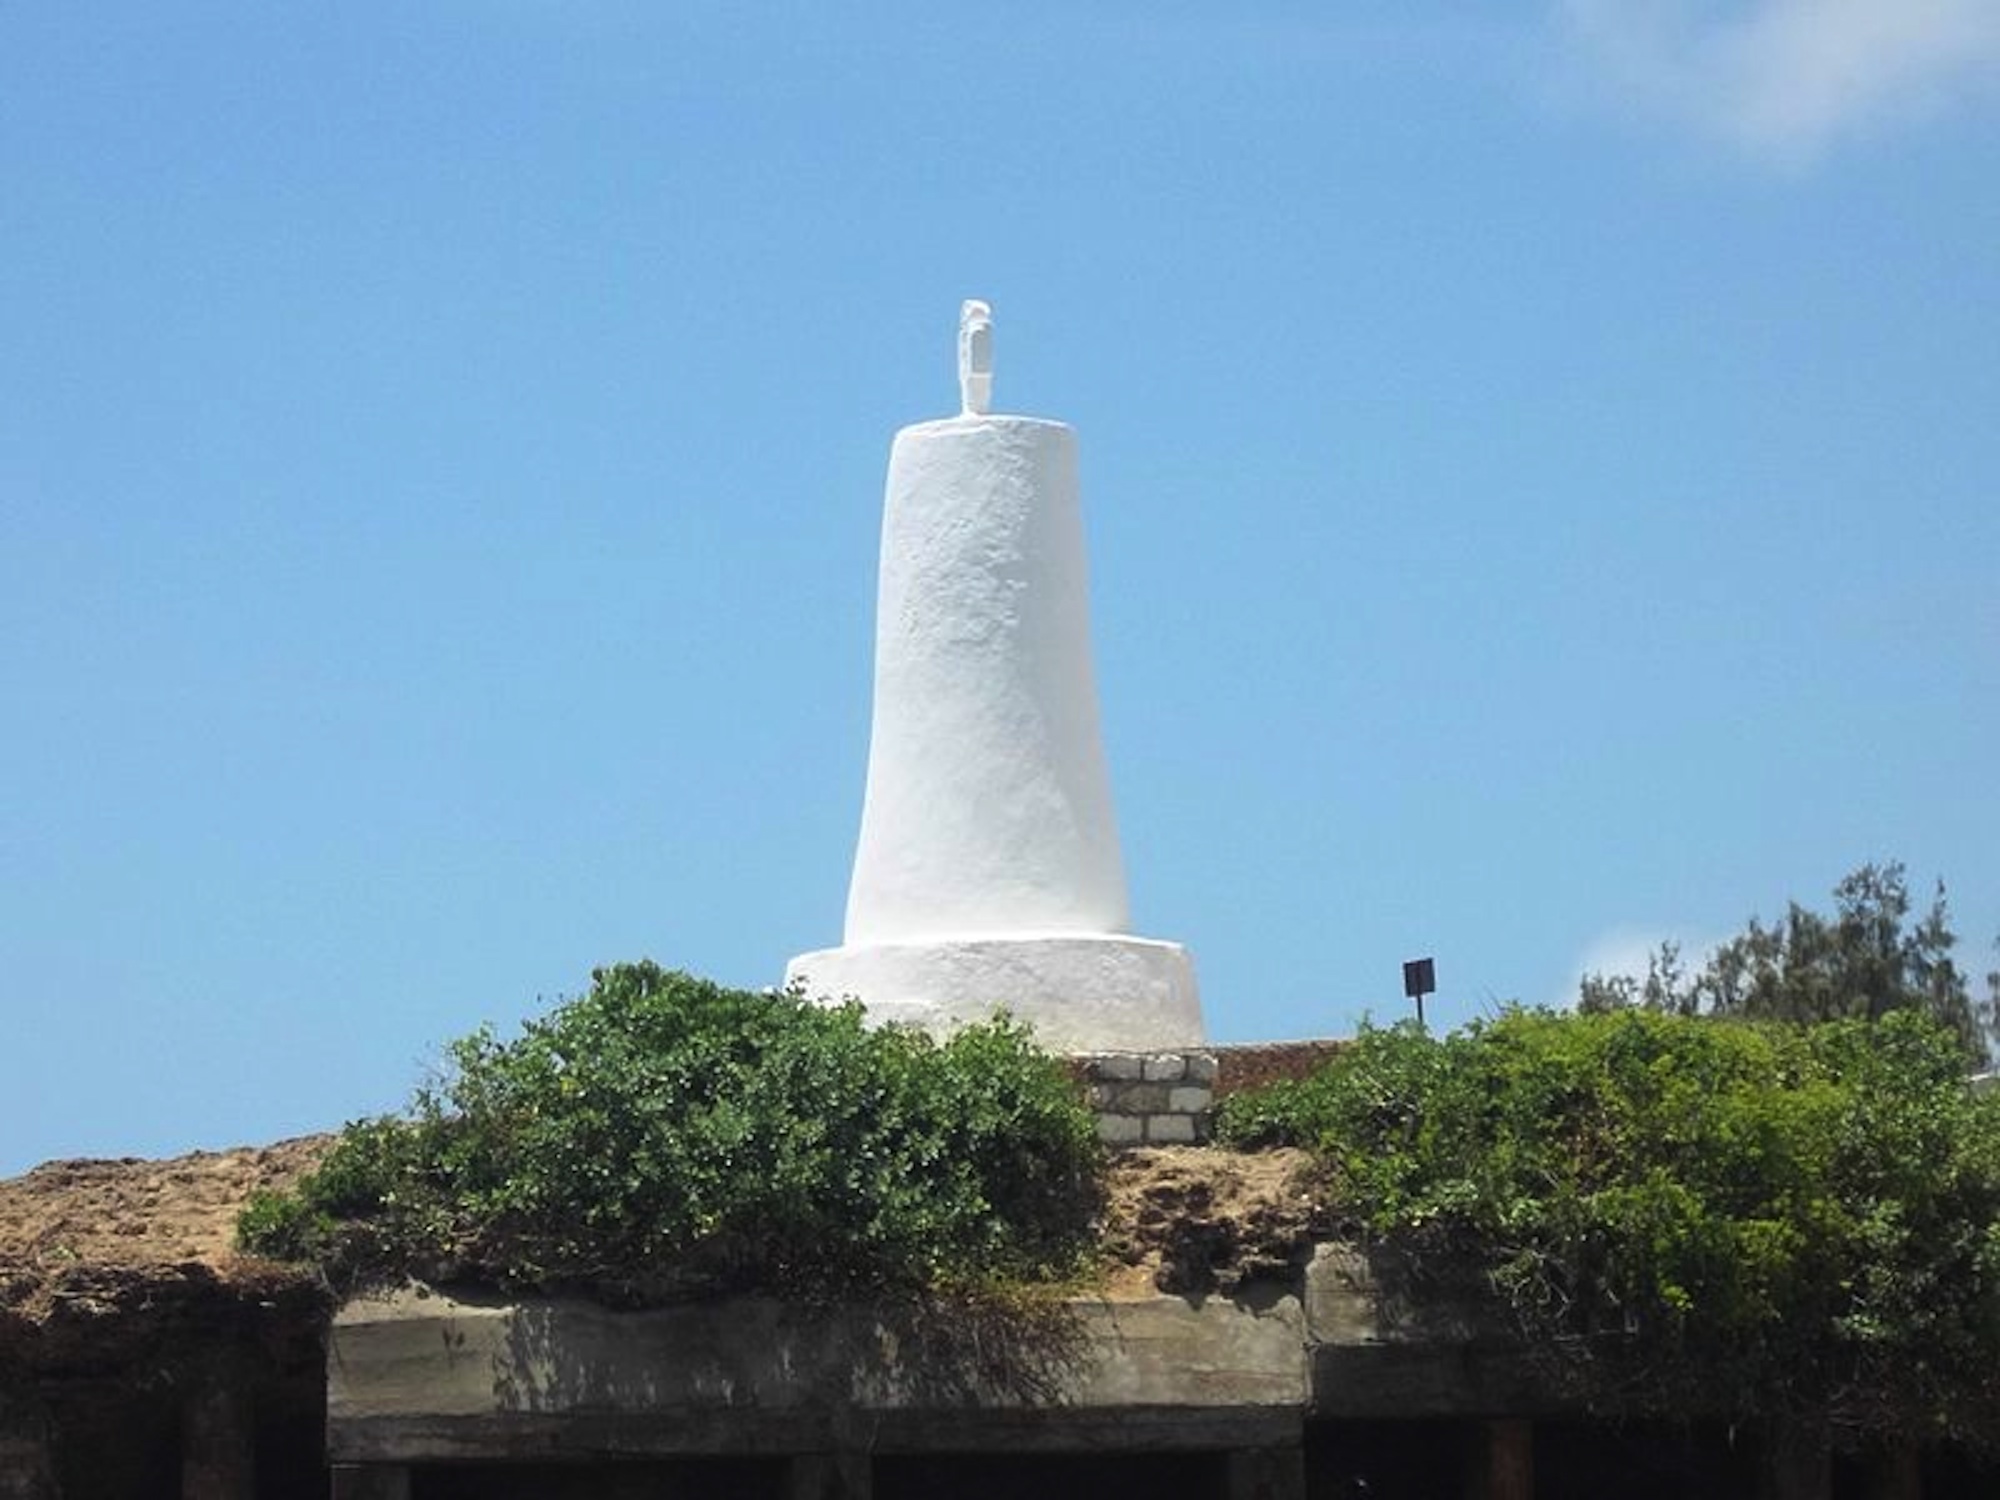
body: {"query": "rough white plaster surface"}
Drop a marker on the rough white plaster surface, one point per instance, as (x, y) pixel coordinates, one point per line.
(988, 873)
(1080, 993)
(988, 807)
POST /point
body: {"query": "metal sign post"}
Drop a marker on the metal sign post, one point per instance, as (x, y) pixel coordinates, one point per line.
(1419, 980)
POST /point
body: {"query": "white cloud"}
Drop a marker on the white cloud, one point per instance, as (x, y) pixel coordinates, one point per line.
(1785, 79)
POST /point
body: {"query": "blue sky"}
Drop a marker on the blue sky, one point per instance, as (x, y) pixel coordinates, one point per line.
(1539, 467)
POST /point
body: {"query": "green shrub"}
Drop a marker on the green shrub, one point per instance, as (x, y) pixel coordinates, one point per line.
(661, 1135)
(1757, 1215)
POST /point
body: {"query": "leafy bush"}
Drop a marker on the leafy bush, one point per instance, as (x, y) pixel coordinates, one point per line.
(661, 1135)
(1673, 1209)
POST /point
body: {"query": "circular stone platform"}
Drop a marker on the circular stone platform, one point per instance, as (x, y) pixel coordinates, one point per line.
(1080, 992)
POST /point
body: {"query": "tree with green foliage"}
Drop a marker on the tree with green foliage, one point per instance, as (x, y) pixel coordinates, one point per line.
(1683, 1214)
(661, 1136)
(1863, 962)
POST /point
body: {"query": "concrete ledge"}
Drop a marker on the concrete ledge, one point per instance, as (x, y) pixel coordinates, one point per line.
(418, 1378)
(1378, 1355)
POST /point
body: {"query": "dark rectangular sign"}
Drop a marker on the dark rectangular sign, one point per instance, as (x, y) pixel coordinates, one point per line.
(1419, 977)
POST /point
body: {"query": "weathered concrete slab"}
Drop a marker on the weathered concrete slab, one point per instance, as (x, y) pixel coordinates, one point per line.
(416, 1376)
(1375, 1353)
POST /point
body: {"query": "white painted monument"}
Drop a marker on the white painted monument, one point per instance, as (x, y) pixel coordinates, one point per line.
(988, 874)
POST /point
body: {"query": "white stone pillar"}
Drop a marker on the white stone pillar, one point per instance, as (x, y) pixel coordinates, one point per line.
(988, 808)
(988, 872)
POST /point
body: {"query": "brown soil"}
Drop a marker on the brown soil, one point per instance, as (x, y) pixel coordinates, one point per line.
(134, 1216)
(1197, 1219)
(102, 1259)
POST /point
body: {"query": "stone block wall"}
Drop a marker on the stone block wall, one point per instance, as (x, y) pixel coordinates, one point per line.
(1149, 1098)
(1168, 1098)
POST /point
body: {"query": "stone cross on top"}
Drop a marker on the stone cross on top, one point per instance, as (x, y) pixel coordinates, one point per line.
(975, 358)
